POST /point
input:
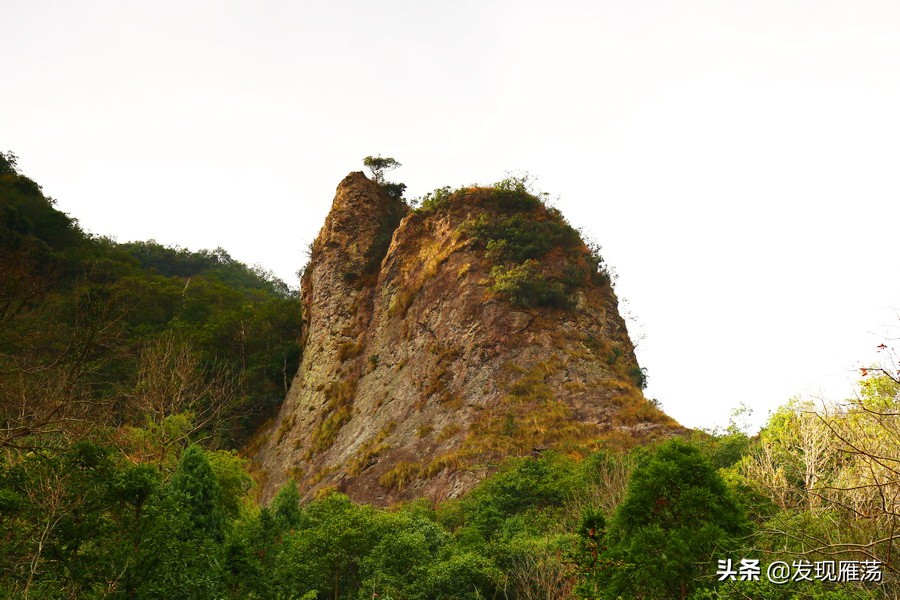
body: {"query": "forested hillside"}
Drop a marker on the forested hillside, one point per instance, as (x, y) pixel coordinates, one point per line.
(99, 332)
(130, 375)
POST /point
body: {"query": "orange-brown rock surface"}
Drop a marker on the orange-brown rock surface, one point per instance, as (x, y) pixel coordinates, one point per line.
(421, 369)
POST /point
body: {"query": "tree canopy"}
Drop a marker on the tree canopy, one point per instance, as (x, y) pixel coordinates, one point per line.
(379, 165)
(676, 515)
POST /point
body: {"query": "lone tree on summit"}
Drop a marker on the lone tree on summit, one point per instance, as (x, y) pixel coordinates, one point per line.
(379, 166)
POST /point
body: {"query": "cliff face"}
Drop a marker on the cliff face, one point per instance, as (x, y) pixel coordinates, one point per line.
(439, 341)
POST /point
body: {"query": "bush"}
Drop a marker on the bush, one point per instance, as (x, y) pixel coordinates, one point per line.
(436, 200)
(520, 238)
(8, 163)
(525, 486)
(639, 376)
(394, 190)
(515, 194)
(676, 514)
(520, 234)
(525, 284)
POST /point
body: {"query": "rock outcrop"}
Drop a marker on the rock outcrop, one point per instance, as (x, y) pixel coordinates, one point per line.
(438, 341)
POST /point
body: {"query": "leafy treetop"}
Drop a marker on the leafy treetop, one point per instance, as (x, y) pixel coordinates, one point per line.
(8, 162)
(379, 165)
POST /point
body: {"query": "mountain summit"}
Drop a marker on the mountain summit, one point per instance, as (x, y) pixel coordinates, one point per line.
(440, 340)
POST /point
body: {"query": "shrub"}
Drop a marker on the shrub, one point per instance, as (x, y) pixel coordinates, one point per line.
(525, 284)
(514, 201)
(520, 237)
(517, 230)
(515, 194)
(639, 375)
(436, 200)
(394, 190)
(523, 486)
(676, 514)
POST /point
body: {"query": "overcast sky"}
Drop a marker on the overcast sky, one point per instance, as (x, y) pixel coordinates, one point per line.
(737, 161)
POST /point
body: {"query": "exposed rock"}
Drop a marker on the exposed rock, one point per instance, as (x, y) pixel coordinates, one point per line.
(418, 377)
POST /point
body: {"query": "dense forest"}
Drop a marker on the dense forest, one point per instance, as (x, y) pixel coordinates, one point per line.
(132, 374)
(137, 333)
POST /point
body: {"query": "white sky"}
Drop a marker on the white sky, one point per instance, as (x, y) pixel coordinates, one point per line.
(738, 161)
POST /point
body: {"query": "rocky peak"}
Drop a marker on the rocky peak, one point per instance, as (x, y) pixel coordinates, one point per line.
(439, 341)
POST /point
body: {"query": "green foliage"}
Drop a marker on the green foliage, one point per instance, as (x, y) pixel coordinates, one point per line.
(724, 448)
(461, 576)
(134, 485)
(676, 515)
(525, 285)
(639, 376)
(538, 259)
(86, 520)
(85, 307)
(378, 165)
(285, 508)
(400, 563)
(436, 200)
(197, 488)
(515, 194)
(31, 221)
(8, 163)
(592, 567)
(524, 486)
(230, 471)
(326, 552)
(517, 238)
(132, 515)
(394, 190)
(86, 524)
(822, 480)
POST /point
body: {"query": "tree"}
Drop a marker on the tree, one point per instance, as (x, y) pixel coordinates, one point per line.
(286, 507)
(8, 162)
(177, 397)
(833, 473)
(200, 493)
(378, 166)
(676, 515)
(325, 553)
